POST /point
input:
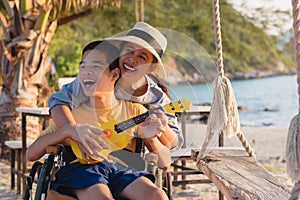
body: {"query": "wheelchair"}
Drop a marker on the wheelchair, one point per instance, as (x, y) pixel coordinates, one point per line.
(43, 173)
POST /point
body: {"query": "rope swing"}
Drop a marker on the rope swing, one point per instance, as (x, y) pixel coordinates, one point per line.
(293, 139)
(223, 117)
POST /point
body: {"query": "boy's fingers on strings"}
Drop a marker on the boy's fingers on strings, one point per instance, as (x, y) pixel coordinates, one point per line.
(147, 121)
(161, 115)
(158, 122)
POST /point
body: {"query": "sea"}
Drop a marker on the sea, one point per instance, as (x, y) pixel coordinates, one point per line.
(271, 101)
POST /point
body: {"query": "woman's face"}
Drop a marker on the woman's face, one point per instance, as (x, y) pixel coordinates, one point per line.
(135, 61)
(94, 74)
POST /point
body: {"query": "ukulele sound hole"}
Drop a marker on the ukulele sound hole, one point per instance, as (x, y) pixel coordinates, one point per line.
(108, 135)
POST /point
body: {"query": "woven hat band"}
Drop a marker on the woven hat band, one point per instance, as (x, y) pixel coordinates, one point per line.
(148, 38)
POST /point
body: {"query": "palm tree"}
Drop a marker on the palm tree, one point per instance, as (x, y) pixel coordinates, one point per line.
(28, 27)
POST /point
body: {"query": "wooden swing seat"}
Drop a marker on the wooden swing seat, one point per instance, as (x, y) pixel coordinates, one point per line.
(239, 176)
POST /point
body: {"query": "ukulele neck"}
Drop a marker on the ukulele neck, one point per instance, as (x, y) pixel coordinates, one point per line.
(133, 121)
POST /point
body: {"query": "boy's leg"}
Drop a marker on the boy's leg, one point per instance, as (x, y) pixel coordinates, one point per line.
(98, 191)
(143, 188)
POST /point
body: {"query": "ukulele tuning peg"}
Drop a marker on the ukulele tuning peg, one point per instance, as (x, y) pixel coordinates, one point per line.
(180, 103)
(172, 106)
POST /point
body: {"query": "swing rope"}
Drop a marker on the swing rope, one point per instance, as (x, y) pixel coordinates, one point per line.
(223, 117)
(293, 139)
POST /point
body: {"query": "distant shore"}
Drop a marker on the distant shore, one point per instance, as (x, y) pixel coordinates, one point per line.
(196, 78)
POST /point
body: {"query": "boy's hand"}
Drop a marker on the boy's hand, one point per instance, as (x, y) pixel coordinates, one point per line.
(154, 125)
(91, 141)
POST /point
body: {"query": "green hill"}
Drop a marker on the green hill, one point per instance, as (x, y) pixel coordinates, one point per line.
(245, 47)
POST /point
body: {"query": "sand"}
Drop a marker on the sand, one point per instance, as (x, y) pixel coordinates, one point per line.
(268, 144)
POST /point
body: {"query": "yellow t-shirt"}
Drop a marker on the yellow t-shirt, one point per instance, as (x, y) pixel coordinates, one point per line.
(120, 111)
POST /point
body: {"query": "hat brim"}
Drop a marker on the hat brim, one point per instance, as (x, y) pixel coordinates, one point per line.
(160, 69)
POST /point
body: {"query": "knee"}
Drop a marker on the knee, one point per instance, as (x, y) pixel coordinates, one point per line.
(157, 193)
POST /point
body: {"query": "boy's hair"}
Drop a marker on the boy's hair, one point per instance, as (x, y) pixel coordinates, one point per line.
(112, 52)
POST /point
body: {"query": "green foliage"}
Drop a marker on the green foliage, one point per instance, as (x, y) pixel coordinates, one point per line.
(245, 46)
(65, 53)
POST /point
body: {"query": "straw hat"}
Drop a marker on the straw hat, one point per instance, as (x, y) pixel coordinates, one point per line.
(147, 37)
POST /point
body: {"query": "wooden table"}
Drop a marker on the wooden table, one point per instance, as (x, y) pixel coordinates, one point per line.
(195, 110)
(180, 157)
(42, 112)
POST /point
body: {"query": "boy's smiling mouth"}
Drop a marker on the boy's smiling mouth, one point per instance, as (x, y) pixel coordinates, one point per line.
(88, 82)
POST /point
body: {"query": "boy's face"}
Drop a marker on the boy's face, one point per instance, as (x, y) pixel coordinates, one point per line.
(135, 61)
(94, 74)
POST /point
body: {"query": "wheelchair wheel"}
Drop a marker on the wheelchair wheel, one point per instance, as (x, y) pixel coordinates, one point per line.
(167, 184)
(34, 170)
(44, 178)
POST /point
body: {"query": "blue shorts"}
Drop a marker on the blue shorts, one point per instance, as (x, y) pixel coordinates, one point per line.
(113, 174)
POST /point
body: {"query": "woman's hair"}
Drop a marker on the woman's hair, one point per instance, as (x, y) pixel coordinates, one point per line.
(160, 84)
(112, 52)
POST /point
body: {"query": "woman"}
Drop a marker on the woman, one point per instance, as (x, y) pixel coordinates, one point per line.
(140, 56)
(104, 179)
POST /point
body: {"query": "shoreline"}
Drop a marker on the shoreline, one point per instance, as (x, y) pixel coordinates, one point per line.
(268, 144)
(266, 141)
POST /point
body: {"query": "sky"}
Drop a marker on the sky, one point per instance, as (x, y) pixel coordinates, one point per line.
(278, 4)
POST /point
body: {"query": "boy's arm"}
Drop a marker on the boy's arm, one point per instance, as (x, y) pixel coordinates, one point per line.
(52, 136)
(62, 115)
(70, 95)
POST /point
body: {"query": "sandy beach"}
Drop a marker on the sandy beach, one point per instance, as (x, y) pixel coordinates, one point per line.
(268, 144)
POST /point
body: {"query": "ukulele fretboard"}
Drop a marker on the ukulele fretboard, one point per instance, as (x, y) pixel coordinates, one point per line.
(131, 122)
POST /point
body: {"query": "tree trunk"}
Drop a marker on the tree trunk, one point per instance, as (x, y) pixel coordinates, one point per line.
(28, 27)
(24, 85)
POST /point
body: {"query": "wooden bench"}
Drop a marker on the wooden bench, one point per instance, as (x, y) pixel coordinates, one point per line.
(40, 112)
(239, 176)
(179, 158)
(194, 111)
(16, 159)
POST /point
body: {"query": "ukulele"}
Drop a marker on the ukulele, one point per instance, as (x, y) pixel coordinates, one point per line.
(116, 137)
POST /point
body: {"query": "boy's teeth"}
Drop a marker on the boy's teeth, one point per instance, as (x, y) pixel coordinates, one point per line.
(88, 82)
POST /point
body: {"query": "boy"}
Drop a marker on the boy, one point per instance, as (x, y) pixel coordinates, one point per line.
(104, 180)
